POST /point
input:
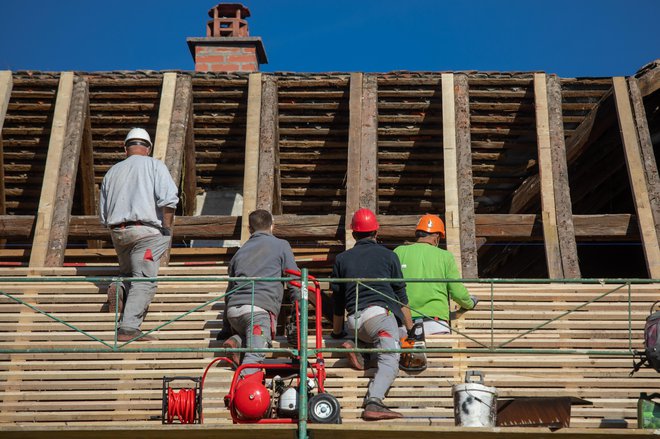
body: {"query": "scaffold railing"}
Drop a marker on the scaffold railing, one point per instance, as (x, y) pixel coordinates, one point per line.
(306, 351)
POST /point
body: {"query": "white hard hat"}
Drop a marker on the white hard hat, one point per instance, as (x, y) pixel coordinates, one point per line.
(138, 134)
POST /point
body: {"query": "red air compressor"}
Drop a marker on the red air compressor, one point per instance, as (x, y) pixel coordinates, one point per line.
(269, 396)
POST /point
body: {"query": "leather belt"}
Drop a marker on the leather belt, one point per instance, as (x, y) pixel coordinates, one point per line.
(126, 224)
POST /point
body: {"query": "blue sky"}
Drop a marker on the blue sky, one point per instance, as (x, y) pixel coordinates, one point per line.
(567, 37)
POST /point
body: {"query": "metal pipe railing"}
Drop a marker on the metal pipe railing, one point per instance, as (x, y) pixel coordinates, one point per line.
(305, 351)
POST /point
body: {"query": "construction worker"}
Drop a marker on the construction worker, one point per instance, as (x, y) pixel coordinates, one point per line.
(263, 255)
(137, 202)
(374, 310)
(425, 260)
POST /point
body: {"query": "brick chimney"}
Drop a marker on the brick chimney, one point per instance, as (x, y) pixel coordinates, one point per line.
(228, 46)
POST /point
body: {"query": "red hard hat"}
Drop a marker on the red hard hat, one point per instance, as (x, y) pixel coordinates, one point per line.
(364, 220)
(251, 399)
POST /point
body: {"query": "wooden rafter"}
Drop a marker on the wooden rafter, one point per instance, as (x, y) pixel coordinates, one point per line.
(452, 211)
(6, 84)
(464, 177)
(362, 166)
(526, 198)
(177, 124)
(251, 167)
(562, 192)
(51, 230)
(637, 176)
(646, 149)
(268, 181)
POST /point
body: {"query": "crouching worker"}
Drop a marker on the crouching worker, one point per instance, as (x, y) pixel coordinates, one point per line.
(375, 314)
(263, 255)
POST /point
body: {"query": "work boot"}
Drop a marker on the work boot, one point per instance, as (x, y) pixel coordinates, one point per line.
(375, 410)
(355, 360)
(130, 334)
(233, 343)
(113, 300)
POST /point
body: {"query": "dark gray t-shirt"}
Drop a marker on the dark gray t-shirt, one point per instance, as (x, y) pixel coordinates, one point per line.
(263, 255)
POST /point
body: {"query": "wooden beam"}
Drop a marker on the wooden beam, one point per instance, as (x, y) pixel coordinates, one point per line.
(268, 185)
(165, 107)
(362, 166)
(86, 167)
(189, 190)
(548, 210)
(464, 176)
(646, 148)
(637, 176)
(526, 198)
(369, 144)
(42, 251)
(562, 192)
(176, 138)
(6, 84)
(452, 211)
(649, 78)
(251, 166)
(495, 227)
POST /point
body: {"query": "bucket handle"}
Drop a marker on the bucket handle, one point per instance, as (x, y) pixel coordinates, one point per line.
(474, 373)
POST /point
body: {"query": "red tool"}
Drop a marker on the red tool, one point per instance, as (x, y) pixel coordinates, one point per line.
(269, 396)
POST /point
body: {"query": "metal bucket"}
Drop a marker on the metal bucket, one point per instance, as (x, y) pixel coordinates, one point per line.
(475, 405)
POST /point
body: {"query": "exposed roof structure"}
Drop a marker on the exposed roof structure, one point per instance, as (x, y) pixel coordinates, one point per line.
(325, 144)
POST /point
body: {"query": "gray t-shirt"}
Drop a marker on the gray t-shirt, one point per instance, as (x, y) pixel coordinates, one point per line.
(263, 255)
(136, 189)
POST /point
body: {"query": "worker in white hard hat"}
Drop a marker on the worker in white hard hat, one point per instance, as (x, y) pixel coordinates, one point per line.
(137, 202)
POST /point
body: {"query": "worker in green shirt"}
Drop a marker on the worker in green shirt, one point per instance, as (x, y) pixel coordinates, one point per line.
(424, 260)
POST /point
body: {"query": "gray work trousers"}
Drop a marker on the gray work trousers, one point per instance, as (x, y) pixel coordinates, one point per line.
(139, 249)
(257, 336)
(382, 332)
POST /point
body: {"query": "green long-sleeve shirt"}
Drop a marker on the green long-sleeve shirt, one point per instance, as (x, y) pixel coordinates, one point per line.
(424, 261)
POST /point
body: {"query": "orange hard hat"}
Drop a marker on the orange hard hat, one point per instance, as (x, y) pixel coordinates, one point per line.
(431, 224)
(364, 220)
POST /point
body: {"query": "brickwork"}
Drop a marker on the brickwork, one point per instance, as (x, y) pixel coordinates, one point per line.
(225, 59)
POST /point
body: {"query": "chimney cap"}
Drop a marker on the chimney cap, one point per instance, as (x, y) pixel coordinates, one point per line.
(229, 10)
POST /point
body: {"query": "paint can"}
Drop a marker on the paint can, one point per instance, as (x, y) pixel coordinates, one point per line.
(475, 405)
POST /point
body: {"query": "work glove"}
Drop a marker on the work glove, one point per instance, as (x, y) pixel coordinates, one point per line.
(475, 300)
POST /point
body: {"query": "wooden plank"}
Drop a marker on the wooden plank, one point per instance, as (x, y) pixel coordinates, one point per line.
(637, 177)
(646, 148)
(176, 139)
(464, 176)
(251, 166)
(51, 181)
(353, 157)
(268, 185)
(548, 210)
(452, 211)
(165, 108)
(562, 192)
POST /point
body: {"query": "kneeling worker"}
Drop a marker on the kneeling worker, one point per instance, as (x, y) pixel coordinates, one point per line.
(425, 260)
(374, 313)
